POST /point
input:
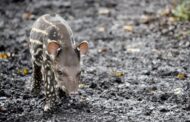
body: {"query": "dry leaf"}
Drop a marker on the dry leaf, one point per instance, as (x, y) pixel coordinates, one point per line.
(2, 109)
(171, 19)
(146, 19)
(166, 12)
(27, 16)
(23, 71)
(181, 76)
(4, 55)
(82, 85)
(128, 28)
(102, 50)
(118, 73)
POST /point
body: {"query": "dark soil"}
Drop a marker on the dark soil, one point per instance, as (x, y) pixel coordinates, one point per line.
(154, 57)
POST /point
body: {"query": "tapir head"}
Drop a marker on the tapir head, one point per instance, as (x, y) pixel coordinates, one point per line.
(66, 64)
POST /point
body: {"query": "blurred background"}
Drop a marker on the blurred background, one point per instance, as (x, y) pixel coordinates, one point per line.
(137, 69)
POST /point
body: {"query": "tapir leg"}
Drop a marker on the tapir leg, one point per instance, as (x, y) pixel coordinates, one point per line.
(37, 79)
(36, 52)
(50, 90)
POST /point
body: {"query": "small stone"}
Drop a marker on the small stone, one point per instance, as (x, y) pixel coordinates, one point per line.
(93, 85)
(67, 4)
(88, 111)
(171, 19)
(26, 96)
(3, 98)
(2, 23)
(101, 29)
(146, 72)
(178, 91)
(103, 11)
(164, 97)
(102, 50)
(148, 112)
(164, 110)
(133, 50)
(128, 28)
(118, 80)
(166, 12)
(2, 48)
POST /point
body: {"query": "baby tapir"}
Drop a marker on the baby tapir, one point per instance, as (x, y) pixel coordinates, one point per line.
(55, 57)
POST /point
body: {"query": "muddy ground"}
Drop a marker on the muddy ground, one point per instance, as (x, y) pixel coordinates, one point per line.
(153, 54)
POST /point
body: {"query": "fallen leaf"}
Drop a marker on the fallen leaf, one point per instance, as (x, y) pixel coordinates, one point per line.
(128, 28)
(118, 73)
(82, 85)
(181, 76)
(19, 71)
(147, 19)
(102, 50)
(2, 109)
(23, 71)
(166, 12)
(171, 19)
(4, 55)
(27, 16)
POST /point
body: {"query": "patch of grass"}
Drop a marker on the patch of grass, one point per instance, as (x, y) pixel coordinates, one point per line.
(182, 10)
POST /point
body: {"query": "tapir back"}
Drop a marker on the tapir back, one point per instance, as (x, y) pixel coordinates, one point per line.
(51, 28)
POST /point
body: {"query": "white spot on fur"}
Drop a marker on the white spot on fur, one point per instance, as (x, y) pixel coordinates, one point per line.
(47, 107)
(52, 89)
(39, 31)
(37, 51)
(48, 80)
(35, 41)
(51, 40)
(49, 73)
(47, 92)
(48, 22)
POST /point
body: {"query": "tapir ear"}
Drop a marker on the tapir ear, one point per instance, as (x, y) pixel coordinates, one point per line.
(83, 47)
(53, 49)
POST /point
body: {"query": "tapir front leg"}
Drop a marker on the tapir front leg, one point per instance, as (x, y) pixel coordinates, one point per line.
(36, 51)
(49, 80)
(37, 79)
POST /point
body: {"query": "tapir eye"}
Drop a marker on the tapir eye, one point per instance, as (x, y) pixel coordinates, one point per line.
(62, 73)
(78, 74)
